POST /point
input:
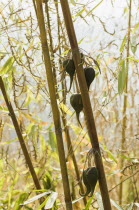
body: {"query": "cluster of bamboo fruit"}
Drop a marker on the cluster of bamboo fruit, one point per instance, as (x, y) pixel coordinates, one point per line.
(76, 99)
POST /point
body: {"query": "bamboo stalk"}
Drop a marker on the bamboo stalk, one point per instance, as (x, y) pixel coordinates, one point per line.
(72, 155)
(51, 43)
(124, 122)
(86, 103)
(66, 129)
(20, 137)
(55, 110)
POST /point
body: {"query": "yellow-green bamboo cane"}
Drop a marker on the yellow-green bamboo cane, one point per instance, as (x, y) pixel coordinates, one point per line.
(55, 110)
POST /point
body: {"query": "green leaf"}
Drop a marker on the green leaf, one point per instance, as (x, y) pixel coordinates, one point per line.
(36, 198)
(31, 129)
(3, 108)
(93, 8)
(89, 203)
(4, 53)
(65, 108)
(125, 157)
(8, 142)
(99, 201)
(133, 48)
(79, 131)
(110, 155)
(134, 59)
(27, 101)
(51, 200)
(123, 44)
(80, 12)
(19, 200)
(122, 77)
(81, 40)
(135, 28)
(65, 52)
(7, 66)
(10, 125)
(42, 144)
(137, 204)
(116, 205)
(52, 140)
(29, 98)
(73, 2)
(42, 205)
(130, 206)
(76, 200)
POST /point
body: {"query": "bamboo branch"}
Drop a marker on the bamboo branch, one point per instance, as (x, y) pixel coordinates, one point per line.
(55, 110)
(20, 137)
(86, 103)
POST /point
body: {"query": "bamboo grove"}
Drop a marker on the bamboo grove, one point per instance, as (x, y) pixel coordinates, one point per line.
(69, 105)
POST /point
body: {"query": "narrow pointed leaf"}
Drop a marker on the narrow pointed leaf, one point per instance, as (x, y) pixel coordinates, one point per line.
(7, 66)
(35, 198)
(123, 44)
(116, 205)
(51, 200)
(122, 78)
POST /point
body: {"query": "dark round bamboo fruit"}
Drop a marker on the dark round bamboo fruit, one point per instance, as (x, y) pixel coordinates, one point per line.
(90, 178)
(85, 181)
(89, 75)
(77, 104)
(69, 67)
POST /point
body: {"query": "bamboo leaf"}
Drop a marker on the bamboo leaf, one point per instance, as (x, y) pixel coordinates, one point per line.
(28, 116)
(65, 108)
(4, 108)
(65, 52)
(27, 101)
(130, 207)
(135, 27)
(73, 2)
(36, 121)
(99, 201)
(89, 203)
(42, 144)
(116, 205)
(79, 131)
(134, 59)
(51, 200)
(137, 204)
(110, 155)
(36, 198)
(4, 53)
(76, 200)
(42, 205)
(81, 40)
(133, 48)
(96, 63)
(80, 12)
(7, 66)
(123, 44)
(122, 78)
(94, 8)
(8, 142)
(19, 200)
(52, 140)
(125, 157)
